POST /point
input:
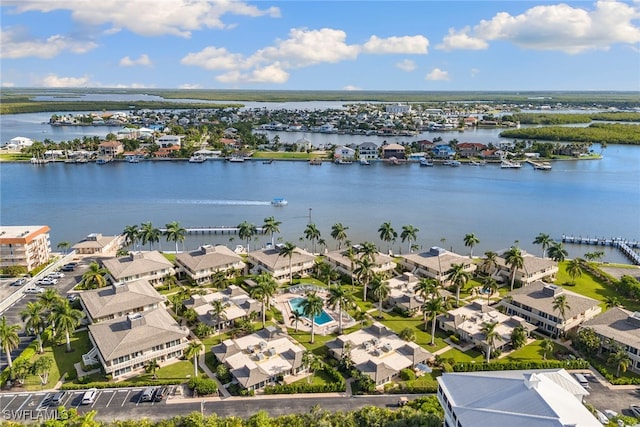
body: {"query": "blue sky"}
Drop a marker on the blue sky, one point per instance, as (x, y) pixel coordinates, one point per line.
(321, 45)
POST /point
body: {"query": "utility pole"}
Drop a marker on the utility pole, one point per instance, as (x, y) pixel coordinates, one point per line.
(309, 215)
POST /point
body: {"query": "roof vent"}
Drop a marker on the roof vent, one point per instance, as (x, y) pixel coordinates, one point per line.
(551, 290)
(634, 319)
(436, 250)
(135, 320)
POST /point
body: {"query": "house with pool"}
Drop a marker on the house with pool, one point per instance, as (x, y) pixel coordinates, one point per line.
(379, 352)
(344, 265)
(271, 261)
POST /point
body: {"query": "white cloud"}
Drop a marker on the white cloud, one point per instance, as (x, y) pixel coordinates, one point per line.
(474, 72)
(406, 65)
(142, 60)
(215, 58)
(351, 87)
(148, 17)
(437, 74)
(556, 27)
(52, 80)
(15, 44)
(270, 74)
(390, 45)
(7, 84)
(189, 86)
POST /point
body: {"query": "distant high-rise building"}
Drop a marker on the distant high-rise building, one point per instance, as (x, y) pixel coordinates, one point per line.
(24, 245)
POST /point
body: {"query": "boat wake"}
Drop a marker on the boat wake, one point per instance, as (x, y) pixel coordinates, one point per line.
(217, 202)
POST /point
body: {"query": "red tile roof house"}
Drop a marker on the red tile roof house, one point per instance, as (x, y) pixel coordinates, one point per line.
(166, 152)
(470, 149)
(110, 148)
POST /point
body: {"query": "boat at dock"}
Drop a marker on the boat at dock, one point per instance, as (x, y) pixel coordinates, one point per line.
(279, 201)
(267, 162)
(197, 159)
(426, 162)
(236, 159)
(315, 162)
(541, 166)
(452, 163)
(480, 163)
(364, 161)
(343, 162)
(506, 164)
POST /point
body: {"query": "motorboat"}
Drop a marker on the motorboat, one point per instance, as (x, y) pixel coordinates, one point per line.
(426, 162)
(197, 159)
(279, 201)
(506, 164)
(480, 163)
(236, 159)
(452, 163)
(343, 162)
(364, 161)
(315, 162)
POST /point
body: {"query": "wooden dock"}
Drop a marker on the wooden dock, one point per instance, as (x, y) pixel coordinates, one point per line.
(217, 229)
(627, 247)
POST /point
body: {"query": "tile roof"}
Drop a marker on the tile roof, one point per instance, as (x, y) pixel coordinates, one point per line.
(536, 297)
(208, 258)
(122, 298)
(272, 258)
(617, 323)
(136, 264)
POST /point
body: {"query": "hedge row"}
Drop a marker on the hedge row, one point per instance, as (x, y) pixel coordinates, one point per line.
(101, 385)
(612, 378)
(26, 354)
(404, 388)
(305, 388)
(529, 364)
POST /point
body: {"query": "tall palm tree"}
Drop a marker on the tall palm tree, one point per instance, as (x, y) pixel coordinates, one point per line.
(326, 270)
(547, 347)
(381, 291)
(489, 262)
(263, 291)
(410, 233)
(131, 235)
(470, 240)
(490, 336)
(557, 252)
(458, 277)
(193, 351)
(64, 246)
(544, 240)
(339, 233)
(149, 234)
(174, 232)
(341, 300)
(9, 338)
(368, 250)
(574, 269)
(489, 285)
(364, 272)
(218, 307)
(152, 367)
(427, 287)
(312, 306)
(312, 233)
(561, 305)
(288, 250)
(621, 360)
(36, 320)
(246, 231)
(515, 260)
(65, 318)
(49, 298)
(93, 278)
(271, 225)
(295, 318)
(387, 233)
(431, 308)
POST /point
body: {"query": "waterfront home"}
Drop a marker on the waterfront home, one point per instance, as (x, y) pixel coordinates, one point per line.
(534, 269)
(127, 133)
(125, 345)
(443, 151)
(166, 152)
(165, 141)
(269, 260)
(378, 352)
(468, 321)
(425, 145)
(110, 148)
(18, 143)
(97, 244)
(120, 299)
(470, 149)
(152, 266)
(393, 150)
(202, 264)
(28, 246)
(368, 150)
(341, 262)
(618, 327)
(435, 263)
(543, 397)
(344, 153)
(261, 358)
(534, 303)
(236, 303)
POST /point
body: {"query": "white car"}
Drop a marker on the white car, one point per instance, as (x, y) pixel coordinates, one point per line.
(56, 274)
(611, 414)
(37, 290)
(47, 281)
(602, 418)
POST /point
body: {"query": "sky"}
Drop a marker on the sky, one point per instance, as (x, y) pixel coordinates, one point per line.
(321, 45)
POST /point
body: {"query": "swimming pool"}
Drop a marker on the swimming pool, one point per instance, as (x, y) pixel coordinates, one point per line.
(321, 319)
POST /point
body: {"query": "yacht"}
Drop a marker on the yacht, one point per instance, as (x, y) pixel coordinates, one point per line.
(506, 164)
(197, 159)
(426, 162)
(279, 201)
(452, 163)
(236, 159)
(364, 161)
(343, 162)
(315, 162)
(480, 163)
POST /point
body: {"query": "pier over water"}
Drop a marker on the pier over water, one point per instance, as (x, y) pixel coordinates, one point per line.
(627, 247)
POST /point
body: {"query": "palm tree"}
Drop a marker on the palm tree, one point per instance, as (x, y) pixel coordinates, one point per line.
(295, 318)
(547, 347)
(458, 277)
(170, 281)
(489, 285)
(544, 240)
(64, 246)
(175, 233)
(9, 338)
(364, 272)
(381, 291)
(574, 269)
(287, 250)
(611, 302)
(178, 303)
(471, 240)
(131, 235)
(431, 309)
(35, 316)
(427, 288)
(312, 233)
(410, 233)
(327, 271)
(514, 259)
(218, 307)
(65, 318)
(93, 278)
(263, 291)
(246, 231)
(339, 233)
(621, 360)
(193, 350)
(489, 262)
(490, 336)
(271, 226)
(561, 305)
(557, 252)
(387, 233)
(312, 306)
(341, 300)
(368, 250)
(49, 298)
(518, 337)
(153, 366)
(149, 234)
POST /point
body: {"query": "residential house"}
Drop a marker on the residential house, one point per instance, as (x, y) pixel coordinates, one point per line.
(152, 266)
(201, 265)
(18, 143)
(119, 300)
(470, 149)
(344, 153)
(618, 327)
(97, 244)
(532, 398)
(166, 152)
(443, 151)
(393, 150)
(166, 141)
(125, 345)
(110, 148)
(28, 246)
(127, 133)
(435, 263)
(270, 260)
(425, 145)
(534, 269)
(534, 303)
(236, 302)
(470, 121)
(340, 261)
(368, 150)
(378, 352)
(261, 358)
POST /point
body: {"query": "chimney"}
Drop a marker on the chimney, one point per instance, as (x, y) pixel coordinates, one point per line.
(135, 320)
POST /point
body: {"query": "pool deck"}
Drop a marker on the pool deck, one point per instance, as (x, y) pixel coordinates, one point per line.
(281, 301)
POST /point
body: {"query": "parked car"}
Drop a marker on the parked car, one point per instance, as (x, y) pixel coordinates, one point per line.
(69, 267)
(19, 282)
(635, 410)
(72, 297)
(611, 414)
(36, 290)
(602, 418)
(147, 394)
(56, 275)
(160, 393)
(57, 398)
(89, 396)
(47, 281)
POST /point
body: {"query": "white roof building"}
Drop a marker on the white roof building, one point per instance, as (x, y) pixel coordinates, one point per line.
(532, 398)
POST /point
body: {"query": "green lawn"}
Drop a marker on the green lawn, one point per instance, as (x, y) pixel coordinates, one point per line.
(318, 378)
(318, 347)
(397, 322)
(179, 371)
(532, 351)
(472, 355)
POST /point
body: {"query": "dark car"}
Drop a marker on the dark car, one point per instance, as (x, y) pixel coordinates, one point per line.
(160, 394)
(69, 267)
(57, 398)
(19, 282)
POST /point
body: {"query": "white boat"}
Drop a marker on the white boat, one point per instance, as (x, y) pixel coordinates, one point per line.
(364, 162)
(506, 164)
(426, 162)
(236, 159)
(343, 162)
(197, 159)
(103, 160)
(480, 163)
(133, 159)
(279, 201)
(452, 163)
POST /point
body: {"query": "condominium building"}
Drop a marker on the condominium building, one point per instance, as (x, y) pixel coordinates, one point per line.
(301, 263)
(152, 266)
(345, 265)
(435, 263)
(202, 264)
(24, 245)
(97, 244)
